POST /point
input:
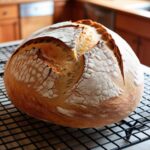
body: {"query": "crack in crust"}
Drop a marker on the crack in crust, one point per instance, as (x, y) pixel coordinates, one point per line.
(45, 54)
(108, 39)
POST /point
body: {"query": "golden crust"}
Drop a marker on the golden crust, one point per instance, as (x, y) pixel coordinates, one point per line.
(107, 112)
(56, 109)
(109, 40)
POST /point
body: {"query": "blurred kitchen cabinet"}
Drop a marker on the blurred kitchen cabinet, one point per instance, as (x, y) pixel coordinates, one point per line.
(130, 38)
(78, 11)
(35, 15)
(9, 30)
(136, 31)
(66, 10)
(32, 24)
(62, 10)
(9, 24)
(100, 14)
(145, 51)
(19, 20)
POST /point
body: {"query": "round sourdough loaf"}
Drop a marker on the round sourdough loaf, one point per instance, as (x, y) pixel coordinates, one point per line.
(76, 74)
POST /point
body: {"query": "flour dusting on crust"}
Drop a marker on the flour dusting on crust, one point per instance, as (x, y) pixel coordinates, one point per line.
(96, 84)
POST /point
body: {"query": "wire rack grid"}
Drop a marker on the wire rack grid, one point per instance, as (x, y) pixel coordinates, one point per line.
(19, 131)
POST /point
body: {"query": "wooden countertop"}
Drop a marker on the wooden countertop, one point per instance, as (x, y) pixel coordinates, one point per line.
(6, 2)
(127, 6)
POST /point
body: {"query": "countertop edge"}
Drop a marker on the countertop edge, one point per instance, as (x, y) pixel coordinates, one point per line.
(127, 8)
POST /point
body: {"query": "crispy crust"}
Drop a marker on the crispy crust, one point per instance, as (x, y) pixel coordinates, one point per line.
(107, 112)
(109, 41)
(56, 109)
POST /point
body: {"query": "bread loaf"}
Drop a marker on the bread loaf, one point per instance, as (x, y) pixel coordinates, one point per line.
(76, 74)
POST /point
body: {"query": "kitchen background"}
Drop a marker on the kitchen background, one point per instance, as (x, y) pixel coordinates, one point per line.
(129, 18)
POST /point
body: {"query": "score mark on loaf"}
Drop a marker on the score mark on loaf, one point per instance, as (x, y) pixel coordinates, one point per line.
(76, 74)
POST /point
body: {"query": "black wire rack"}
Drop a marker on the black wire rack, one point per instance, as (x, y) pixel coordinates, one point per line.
(18, 131)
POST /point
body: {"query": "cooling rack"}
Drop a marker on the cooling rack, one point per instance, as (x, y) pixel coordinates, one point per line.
(18, 131)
